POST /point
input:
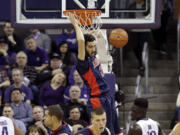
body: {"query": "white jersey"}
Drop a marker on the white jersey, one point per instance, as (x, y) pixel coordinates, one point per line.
(6, 126)
(148, 126)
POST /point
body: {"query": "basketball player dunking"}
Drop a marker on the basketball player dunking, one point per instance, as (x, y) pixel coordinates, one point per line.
(7, 127)
(91, 71)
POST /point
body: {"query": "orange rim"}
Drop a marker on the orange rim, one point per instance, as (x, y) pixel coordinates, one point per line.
(84, 16)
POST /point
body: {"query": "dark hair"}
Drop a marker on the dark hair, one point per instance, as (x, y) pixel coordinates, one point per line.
(74, 106)
(56, 110)
(62, 42)
(28, 38)
(4, 24)
(34, 127)
(141, 102)
(16, 89)
(97, 111)
(67, 58)
(89, 38)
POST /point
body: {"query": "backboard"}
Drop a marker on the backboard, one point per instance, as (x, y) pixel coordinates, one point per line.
(115, 13)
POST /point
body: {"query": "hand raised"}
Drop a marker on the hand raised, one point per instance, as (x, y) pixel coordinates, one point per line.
(73, 19)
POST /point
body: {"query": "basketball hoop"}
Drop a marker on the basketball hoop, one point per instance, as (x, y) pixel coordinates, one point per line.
(87, 19)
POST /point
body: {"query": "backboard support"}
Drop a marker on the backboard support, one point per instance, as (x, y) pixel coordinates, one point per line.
(115, 13)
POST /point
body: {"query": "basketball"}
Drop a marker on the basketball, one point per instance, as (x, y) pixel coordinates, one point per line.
(118, 38)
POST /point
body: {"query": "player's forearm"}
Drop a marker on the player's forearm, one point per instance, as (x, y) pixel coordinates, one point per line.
(81, 42)
(79, 34)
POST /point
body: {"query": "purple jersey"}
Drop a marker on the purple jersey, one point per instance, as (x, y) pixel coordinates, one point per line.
(37, 58)
(64, 128)
(88, 131)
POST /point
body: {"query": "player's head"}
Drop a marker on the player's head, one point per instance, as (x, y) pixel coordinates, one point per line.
(98, 119)
(90, 45)
(139, 109)
(53, 115)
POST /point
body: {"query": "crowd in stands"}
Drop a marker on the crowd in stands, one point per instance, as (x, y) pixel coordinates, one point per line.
(33, 76)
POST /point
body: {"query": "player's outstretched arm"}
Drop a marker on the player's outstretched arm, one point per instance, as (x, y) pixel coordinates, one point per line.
(79, 36)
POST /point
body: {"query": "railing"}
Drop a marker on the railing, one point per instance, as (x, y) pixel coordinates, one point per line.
(178, 42)
(145, 61)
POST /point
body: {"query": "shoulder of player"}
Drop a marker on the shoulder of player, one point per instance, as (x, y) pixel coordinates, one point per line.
(135, 129)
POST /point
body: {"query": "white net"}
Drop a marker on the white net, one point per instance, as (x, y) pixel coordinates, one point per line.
(87, 20)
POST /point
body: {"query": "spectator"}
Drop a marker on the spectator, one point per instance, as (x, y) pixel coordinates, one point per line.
(68, 58)
(51, 93)
(75, 119)
(7, 58)
(30, 74)
(98, 126)
(54, 120)
(4, 81)
(37, 57)
(22, 110)
(75, 100)
(17, 77)
(8, 112)
(69, 36)
(56, 66)
(79, 82)
(34, 130)
(42, 40)
(38, 117)
(14, 42)
(28, 71)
